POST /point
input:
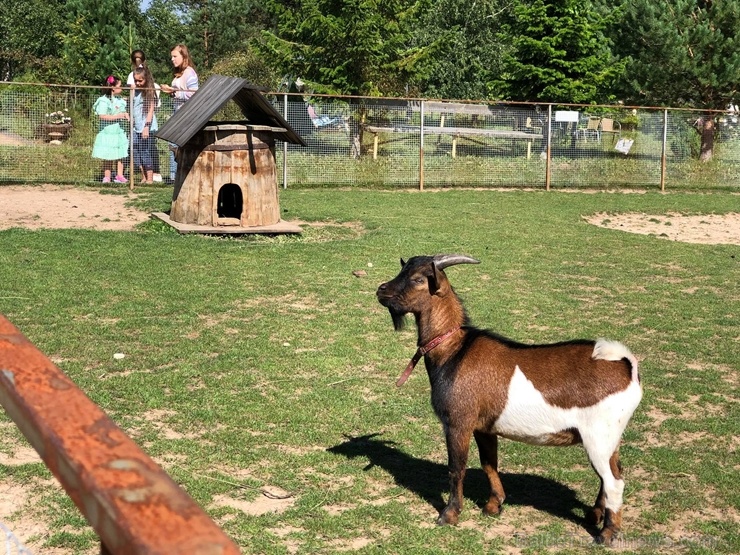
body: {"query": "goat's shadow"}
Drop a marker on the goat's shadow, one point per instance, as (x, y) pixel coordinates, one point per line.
(429, 480)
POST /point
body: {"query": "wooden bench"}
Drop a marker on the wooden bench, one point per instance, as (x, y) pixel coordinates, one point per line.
(470, 133)
(456, 133)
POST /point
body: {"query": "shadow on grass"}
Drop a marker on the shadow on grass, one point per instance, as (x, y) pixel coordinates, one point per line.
(429, 480)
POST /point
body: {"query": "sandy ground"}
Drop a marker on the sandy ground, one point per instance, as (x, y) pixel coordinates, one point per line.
(54, 207)
(8, 139)
(710, 229)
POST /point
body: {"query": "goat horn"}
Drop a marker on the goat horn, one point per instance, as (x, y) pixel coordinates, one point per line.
(442, 261)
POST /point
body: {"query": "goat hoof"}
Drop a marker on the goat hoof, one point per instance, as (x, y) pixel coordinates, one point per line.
(447, 517)
(492, 509)
(606, 538)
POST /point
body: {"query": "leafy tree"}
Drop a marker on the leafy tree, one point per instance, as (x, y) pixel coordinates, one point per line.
(559, 53)
(248, 65)
(342, 46)
(682, 53)
(95, 38)
(458, 49)
(28, 44)
(232, 25)
(212, 29)
(162, 26)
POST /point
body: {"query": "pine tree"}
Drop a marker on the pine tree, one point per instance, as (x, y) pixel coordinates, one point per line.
(559, 53)
(683, 53)
(342, 46)
(95, 39)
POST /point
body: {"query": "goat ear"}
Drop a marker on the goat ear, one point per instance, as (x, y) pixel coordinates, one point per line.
(403, 263)
(434, 280)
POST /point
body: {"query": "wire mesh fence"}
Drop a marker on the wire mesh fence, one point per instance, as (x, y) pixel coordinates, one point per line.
(47, 134)
(13, 546)
(362, 141)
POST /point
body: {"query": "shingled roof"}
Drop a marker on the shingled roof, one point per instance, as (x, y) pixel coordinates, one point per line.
(211, 97)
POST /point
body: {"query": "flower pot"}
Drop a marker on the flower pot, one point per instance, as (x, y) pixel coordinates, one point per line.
(55, 131)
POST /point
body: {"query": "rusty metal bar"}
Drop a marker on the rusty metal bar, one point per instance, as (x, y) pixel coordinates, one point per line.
(133, 505)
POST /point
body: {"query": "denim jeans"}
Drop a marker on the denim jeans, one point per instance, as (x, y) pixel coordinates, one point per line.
(143, 151)
(173, 163)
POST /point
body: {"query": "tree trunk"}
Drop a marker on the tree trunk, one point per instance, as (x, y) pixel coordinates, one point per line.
(706, 129)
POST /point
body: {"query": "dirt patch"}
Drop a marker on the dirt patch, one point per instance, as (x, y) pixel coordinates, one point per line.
(54, 207)
(270, 500)
(11, 139)
(57, 207)
(17, 502)
(710, 229)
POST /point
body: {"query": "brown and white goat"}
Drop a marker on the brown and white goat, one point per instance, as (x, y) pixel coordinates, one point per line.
(484, 385)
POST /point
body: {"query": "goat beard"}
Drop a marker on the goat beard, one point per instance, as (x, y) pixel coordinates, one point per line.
(399, 319)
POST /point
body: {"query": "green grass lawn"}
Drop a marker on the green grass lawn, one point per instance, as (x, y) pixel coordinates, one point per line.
(258, 368)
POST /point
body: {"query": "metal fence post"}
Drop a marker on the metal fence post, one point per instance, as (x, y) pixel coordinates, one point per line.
(285, 144)
(549, 142)
(663, 151)
(131, 163)
(421, 147)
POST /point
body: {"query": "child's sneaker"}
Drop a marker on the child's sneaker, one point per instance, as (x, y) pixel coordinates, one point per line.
(106, 180)
(121, 179)
(157, 178)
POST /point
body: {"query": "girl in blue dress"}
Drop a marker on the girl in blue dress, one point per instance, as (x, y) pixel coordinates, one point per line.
(111, 142)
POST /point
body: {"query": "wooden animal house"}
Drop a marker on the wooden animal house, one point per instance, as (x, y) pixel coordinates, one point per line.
(226, 179)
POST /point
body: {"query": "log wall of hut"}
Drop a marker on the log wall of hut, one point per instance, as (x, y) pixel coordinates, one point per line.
(226, 176)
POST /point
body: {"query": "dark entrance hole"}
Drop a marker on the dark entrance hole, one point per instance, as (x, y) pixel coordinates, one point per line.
(230, 201)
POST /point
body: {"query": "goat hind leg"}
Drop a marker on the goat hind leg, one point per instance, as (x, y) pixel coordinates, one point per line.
(608, 505)
(595, 516)
(488, 450)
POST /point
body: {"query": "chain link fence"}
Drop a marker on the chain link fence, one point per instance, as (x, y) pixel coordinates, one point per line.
(401, 143)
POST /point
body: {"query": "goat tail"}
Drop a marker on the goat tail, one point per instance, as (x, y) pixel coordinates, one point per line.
(614, 350)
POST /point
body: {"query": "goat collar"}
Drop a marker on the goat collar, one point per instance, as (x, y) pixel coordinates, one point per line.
(420, 352)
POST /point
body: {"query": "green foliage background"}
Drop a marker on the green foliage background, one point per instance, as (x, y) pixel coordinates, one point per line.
(678, 53)
(682, 53)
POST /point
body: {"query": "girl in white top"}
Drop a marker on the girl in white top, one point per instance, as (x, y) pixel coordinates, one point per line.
(185, 82)
(183, 87)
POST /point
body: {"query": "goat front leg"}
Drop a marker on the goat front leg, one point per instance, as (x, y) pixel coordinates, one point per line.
(488, 449)
(458, 445)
